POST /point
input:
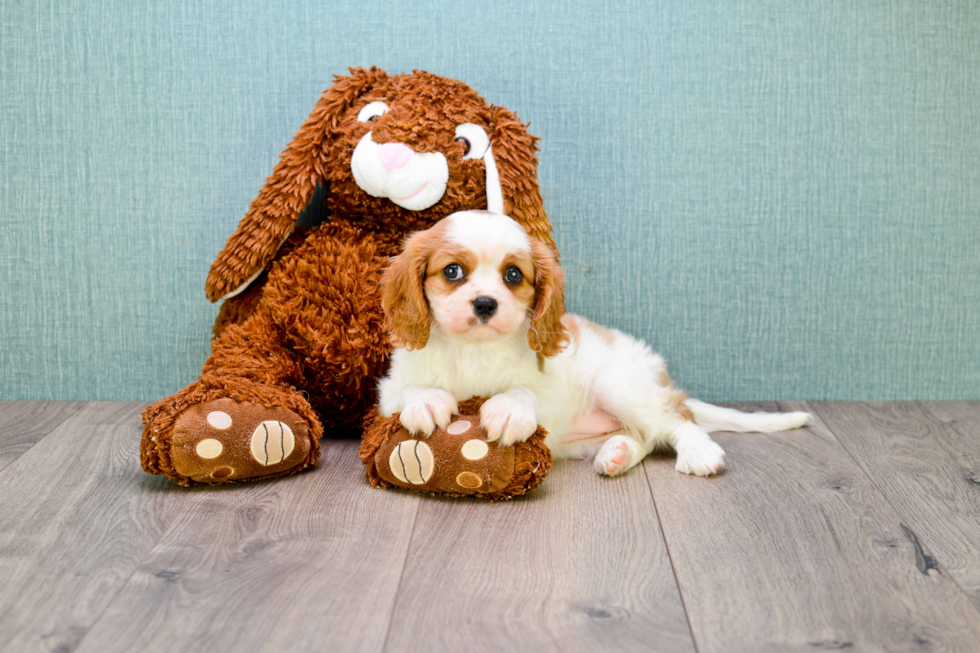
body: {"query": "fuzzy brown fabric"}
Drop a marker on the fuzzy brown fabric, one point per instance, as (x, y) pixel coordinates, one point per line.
(309, 335)
(503, 472)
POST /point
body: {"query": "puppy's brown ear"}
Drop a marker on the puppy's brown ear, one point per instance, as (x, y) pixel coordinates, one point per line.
(273, 213)
(515, 152)
(547, 334)
(403, 292)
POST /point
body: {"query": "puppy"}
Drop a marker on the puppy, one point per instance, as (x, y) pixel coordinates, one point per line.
(476, 307)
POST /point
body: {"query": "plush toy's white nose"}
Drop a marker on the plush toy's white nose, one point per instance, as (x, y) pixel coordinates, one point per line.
(394, 155)
(412, 180)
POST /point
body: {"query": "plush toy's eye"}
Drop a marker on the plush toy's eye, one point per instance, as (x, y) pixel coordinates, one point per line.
(372, 111)
(513, 276)
(474, 139)
(453, 272)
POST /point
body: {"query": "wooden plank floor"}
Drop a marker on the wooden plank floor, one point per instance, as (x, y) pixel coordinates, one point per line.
(861, 533)
(23, 423)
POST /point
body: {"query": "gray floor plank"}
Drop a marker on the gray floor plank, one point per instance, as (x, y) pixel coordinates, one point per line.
(925, 458)
(578, 565)
(812, 540)
(305, 563)
(77, 516)
(23, 423)
(793, 548)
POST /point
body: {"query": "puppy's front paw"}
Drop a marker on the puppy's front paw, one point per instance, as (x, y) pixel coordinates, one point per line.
(507, 420)
(428, 409)
(702, 458)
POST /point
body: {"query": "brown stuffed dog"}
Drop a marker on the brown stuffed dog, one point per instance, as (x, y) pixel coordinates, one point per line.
(300, 339)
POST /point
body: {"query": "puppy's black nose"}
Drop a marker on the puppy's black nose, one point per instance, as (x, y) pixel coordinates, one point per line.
(485, 307)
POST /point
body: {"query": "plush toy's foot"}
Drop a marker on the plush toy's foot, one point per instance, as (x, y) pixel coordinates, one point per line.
(457, 460)
(225, 440)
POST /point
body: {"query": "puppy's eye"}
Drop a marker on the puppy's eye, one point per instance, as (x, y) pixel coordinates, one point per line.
(513, 276)
(453, 272)
(371, 111)
(474, 139)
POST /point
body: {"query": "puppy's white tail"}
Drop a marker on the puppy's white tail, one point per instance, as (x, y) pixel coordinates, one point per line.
(715, 418)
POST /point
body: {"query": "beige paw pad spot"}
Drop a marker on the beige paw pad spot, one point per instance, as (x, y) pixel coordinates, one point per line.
(459, 427)
(218, 419)
(469, 480)
(474, 450)
(222, 472)
(209, 448)
(272, 442)
(412, 462)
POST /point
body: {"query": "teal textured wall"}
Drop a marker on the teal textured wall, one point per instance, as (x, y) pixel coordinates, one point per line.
(783, 197)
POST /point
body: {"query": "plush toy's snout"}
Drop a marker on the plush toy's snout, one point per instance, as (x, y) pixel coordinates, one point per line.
(409, 179)
(417, 181)
(394, 155)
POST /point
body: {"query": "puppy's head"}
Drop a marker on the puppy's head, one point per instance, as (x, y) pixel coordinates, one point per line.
(480, 277)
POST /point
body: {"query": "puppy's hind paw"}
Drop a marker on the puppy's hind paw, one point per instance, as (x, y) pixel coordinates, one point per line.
(615, 457)
(701, 459)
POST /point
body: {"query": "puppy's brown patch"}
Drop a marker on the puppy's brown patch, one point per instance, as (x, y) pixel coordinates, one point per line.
(403, 288)
(572, 331)
(524, 290)
(607, 336)
(447, 254)
(547, 332)
(675, 403)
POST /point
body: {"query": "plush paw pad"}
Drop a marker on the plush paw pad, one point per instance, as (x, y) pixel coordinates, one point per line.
(615, 456)
(272, 442)
(701, 458)
(412, 462)
(219, 419)
(225, 440)
(209, 448)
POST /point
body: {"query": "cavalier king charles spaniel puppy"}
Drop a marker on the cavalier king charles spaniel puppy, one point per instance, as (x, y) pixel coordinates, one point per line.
(476, 307)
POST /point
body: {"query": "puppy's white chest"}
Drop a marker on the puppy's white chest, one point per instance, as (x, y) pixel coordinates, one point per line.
(485, 371)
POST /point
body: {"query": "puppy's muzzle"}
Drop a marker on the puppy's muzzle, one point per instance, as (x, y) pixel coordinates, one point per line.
(484, 307)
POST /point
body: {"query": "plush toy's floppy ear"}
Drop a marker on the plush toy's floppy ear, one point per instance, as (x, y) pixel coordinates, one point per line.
(403, 292)
(272, 214)
(547, 334)
(514, 151)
